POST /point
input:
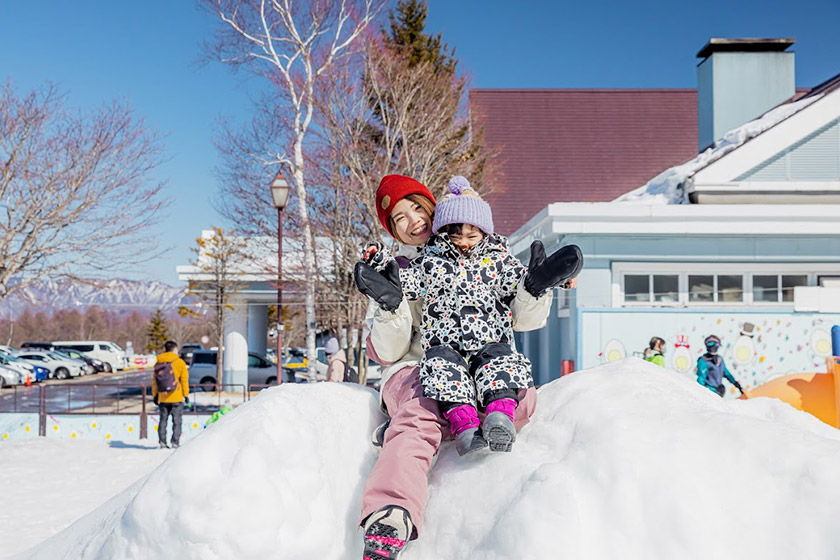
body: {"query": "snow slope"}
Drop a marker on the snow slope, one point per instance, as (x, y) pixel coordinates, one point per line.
(621, 461)
(50, 483)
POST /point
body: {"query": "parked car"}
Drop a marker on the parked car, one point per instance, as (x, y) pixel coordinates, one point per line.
(296, 360)
(203, 369)
(109, 353)
(187, 350)
(36, 346)
(96, 365)
(59, 368)
(36, 373)
(10, 377)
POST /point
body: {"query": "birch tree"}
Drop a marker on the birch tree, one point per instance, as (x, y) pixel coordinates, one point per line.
(76, 193)
(292, 45)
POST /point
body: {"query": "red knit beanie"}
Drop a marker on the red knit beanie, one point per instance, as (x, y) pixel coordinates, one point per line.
(394, 188)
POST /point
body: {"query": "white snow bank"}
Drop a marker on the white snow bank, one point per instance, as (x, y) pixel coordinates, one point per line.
(621, 461)
(666, 188)
(50, 483)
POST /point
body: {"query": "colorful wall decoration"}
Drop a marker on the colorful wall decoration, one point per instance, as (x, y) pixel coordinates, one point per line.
(757, 346)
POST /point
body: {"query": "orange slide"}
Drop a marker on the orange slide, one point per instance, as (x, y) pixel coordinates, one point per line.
(815, 393)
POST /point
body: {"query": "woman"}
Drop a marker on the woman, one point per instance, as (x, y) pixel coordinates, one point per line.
(395, 492)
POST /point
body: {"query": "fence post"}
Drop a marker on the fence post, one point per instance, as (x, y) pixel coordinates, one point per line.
(42, 411)
(143, 420)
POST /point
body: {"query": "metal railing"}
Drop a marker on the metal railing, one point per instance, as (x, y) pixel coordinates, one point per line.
(113, 399)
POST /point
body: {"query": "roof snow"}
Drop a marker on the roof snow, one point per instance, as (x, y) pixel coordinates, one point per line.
(667, 187)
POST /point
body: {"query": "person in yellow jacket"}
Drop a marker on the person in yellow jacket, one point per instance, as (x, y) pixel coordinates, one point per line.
(170, 391)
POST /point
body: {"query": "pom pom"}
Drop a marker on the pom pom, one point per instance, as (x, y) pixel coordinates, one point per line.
(459, 185)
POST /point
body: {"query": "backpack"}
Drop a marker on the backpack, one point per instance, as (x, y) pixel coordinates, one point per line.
(350, 374)
(165, 377)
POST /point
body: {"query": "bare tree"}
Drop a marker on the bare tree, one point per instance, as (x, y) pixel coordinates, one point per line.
(75, 188)
(218, 260)
(292, 44)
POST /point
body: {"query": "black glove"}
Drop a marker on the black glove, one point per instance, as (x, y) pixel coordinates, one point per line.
(187, 402)
(546, 273)
(384, 288)
(155, 399)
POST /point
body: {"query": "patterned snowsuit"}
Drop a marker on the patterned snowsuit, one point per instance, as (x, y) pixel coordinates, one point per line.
(466, 330)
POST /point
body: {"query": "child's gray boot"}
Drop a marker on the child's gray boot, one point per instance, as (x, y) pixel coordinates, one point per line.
(499, 431)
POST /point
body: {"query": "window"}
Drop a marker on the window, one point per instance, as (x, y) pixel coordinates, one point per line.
(81, 347)
(636, 288)
(647, 288)
(775, 288)
(666, 288)
(204, 358)
(717, 284)
(701, 288)
(730, 288)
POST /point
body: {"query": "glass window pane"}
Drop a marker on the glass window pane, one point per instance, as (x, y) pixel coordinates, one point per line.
(765, 287)
(253, 361)
(700, 288)
(636, 287)
(730, 288)
(666, 288)
(789, 282)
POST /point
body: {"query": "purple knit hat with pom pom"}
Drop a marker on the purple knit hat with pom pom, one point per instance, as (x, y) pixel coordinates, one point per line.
(462, 206)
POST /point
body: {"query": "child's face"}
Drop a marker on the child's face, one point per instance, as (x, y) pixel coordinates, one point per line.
(466, 240)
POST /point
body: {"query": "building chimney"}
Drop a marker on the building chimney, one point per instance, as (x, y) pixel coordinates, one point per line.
(738, 80)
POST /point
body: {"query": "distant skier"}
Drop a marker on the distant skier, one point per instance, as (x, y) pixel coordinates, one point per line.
(711, 369)
(655, 351)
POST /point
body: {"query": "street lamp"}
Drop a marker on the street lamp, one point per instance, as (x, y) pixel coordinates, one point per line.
(280, 195)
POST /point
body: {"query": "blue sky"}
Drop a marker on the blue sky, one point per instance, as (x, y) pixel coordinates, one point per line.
(148, 53)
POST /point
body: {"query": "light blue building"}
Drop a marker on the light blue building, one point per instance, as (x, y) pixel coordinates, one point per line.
(743, 241)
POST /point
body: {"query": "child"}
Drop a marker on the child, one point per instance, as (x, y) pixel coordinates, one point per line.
(466, 277)
(711, 368)
(655, 350)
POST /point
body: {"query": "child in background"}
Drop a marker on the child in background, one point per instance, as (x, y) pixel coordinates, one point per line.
(654, 353)
(711, 369)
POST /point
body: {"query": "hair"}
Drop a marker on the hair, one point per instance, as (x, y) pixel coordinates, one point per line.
(655, 341)
(170, 346)
(424, 202)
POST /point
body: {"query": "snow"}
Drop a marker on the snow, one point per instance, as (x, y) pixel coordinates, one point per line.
(50, 483)
(666, 188)
(624, 460)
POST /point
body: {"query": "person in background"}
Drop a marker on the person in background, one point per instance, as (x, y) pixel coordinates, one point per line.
(337, 361)
(655, 351)
(711, 369)
(170, 390)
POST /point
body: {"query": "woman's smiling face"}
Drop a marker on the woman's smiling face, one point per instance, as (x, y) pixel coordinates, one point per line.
(412, 223)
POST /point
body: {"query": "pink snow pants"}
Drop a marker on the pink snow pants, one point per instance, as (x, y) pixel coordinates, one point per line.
(400, 475)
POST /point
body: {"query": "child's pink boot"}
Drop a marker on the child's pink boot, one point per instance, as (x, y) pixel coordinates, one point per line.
(498, 425)
(463, 423)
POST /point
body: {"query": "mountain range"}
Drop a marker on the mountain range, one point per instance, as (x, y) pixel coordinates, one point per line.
(117, 294)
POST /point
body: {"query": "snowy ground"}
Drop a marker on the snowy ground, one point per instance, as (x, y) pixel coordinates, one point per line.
(620, 461)
(50, 483)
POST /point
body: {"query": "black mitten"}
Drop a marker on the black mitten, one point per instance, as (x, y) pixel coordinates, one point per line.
(546, 273)
(383, 287)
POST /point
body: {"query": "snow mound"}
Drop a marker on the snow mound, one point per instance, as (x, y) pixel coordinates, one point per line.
(620, 461)
(666, 188)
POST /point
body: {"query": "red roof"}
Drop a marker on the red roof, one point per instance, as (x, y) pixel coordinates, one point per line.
(588, 145)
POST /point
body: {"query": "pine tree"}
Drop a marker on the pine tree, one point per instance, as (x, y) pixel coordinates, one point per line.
(157, 333)
(407, 33)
